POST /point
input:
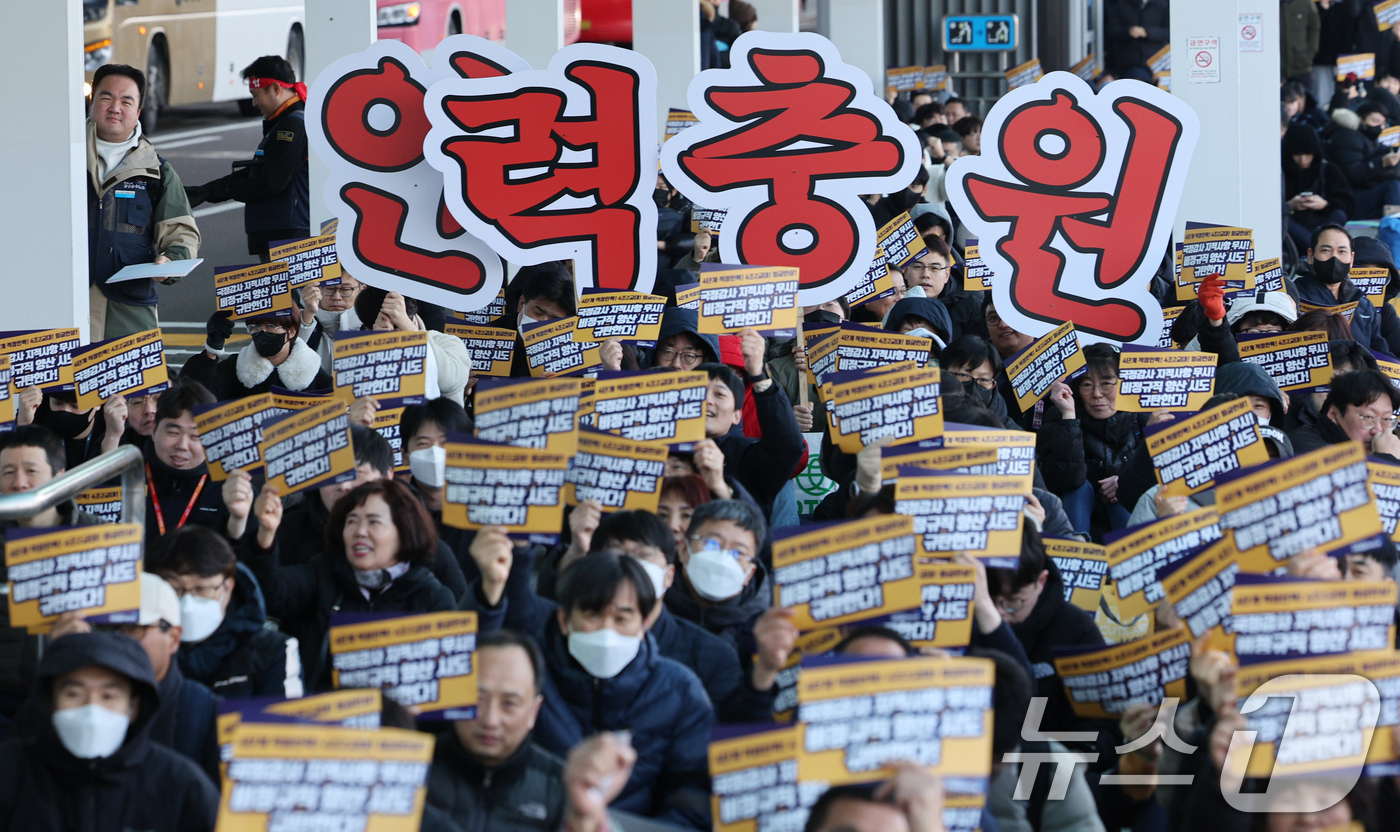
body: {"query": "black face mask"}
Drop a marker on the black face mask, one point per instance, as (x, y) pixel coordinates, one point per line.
(269, 344)
(1331, 271)
(661, 197)
(1370, 131)
(822, 316)
(975, 392)
(66, 423)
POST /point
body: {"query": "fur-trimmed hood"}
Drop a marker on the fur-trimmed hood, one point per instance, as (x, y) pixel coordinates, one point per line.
(297, 372)
(1345, 118)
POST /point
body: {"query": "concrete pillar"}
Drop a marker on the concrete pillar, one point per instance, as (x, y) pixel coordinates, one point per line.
(778, 15)
(535, 29)
(44, 239)
(667, 32)
(1234, 176)
(857, 27)
(334, 29)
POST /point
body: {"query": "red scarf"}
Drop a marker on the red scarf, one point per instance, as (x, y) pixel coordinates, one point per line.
(259, 83)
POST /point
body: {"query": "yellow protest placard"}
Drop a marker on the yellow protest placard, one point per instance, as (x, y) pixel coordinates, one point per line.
(977, 275)
(929, 454)
(1087, 69)
(904, 78)
(849, 346)
(7, 402)
(103, 503)
(944, 616)
(1050, 358)
(389, 367)
(1296, 361)
(1268, 275)
(311, 260)
(706, 219)
(867, 406)
(900, 241)
(134, 365)
(652, 407)
(92, 570)
(1015, 448)
(1385, 486)
(1116, 626)
(490, 484)
(1346, 310)
(877, 282)
(308, 449)
(1024, 75)
(1135, 555)
(1082, 569)
(1104, 682)
(936, 78)
(1198, 589)
(1371, 280)
(359, 708)
(1318, 500)
(271, 760)
(530, 414)
(230, 433)
(837, 573)
(1156, 379)
(552, 350)
(485, 316)
(1161, 61)
(817, 642)
(964, 513)
(631, 316)
(1361, 64)
(253, 291)
(678, 120)
(419, 661)
(386, 424)
(1387, 14)
(1275, 619)
(844, 739)
(620, 473)
(290, 402)
(753, 775)
(1189, 454)
(735, 298)
(40, 358)
(490, 347)
(1215, 250)
(688, 296)
(1169, 315)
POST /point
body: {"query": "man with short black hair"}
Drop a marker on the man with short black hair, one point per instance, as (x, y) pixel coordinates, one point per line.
(276, 184)
(178, 490)
(137, 209)
(487, 774)
(1325, 282)
(1360, 407)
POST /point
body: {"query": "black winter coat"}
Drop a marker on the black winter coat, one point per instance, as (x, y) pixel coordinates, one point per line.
(764, 466)
(244, 658)
(523, 794)
(1055, 623)
(1125, 52)
(174, 489)
(1359, 158)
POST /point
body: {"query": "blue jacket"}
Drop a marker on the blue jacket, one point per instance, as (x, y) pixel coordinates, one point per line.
(664, 706)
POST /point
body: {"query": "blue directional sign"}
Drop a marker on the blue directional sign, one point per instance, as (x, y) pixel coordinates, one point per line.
(980, 33)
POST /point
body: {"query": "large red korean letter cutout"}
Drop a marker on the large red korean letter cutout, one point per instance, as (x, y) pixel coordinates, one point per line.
(787, 141)
(556, 164)
(1073, 200)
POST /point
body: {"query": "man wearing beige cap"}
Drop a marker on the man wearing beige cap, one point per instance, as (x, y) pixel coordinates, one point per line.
(185, 721)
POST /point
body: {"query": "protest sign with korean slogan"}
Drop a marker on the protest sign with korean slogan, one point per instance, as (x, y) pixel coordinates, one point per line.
(490, 347)
(311, 260)
(1023, 74)
(789, 138)
(629, 316)
(735, 298)
(867, 406)
(1372, 281)
(1219, 251)
(585, 129)
(308, 449)
(253, 291)
(365, 121)
(930, 454)
(904, 78)
(1190, 454)
(529, 413)
(386, 424)
(1276, 618)
(103, 503)
(552, 350)
(835, 573)
(900, 241)
(1268, 275)
(1299, 362)
(419, 661)
(288, 776)
(856, 717)
(40, 358)
(130, 366)
(501, 485)
(92, 570)
(1319, 500)
(1169, 317)
(753, 775)
(1082, 569)
(944, 615)
(1104, 682)
(677, 120)
(286, 401)
(977, 275)
(852, 346)
(7, 399)
(360, 708)
(654, 407)
(1346, 310)
(1035, 369)
(1361, 64)
(876, 284)
(1199, 590)
(1385, 486)
(968, 513)
(1072, 201)
(1015, 448)
(231, 432)
(1135, 554)
(389, 367)
(486, 316)
(620, 473)
(1150, 378)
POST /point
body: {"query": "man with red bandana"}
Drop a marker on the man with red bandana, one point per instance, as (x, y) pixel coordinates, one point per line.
(275, 184)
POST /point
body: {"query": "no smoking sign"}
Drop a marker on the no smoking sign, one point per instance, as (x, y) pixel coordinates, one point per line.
(1251, 33)
(1204, 55)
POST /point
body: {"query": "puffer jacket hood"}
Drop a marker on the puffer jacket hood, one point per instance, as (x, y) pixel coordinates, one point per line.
(1370, 251)
(247, 613)
(677, 320)
(1245, 379)
(119, 654)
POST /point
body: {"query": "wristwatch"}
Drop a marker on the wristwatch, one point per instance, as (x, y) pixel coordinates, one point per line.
(763, 376)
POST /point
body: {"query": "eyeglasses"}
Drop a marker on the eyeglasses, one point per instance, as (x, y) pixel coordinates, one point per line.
(1368, 421)
(209, 592)
(698, 544)
(1103, 388)
(136, 631)
(984, 383)
(267, 326)
(1262, 328)
(341, 291)
(688, 359)
(916, 266)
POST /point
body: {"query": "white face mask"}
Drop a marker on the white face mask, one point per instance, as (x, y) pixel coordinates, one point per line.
(715, 574)
(603, 653)
(657, 575)
(199, 618)
(526, 320)
(91, 731)
(921, 332)
(428, 466)
(329, 321)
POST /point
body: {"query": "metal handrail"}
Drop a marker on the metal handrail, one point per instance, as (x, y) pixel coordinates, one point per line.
(126, 461)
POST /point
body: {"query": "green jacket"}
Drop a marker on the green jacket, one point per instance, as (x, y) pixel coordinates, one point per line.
(1300, 28)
